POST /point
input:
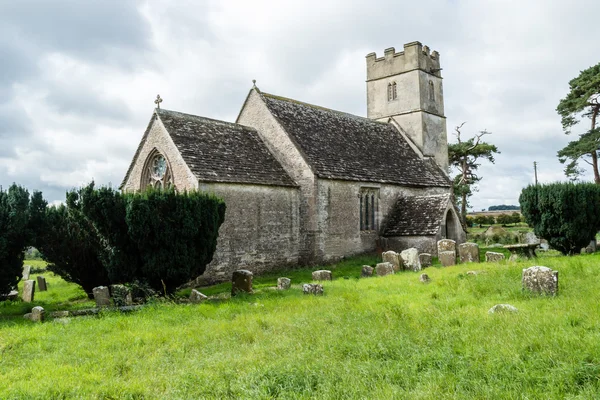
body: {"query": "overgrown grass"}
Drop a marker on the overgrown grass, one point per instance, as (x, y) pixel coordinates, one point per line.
(376, 338)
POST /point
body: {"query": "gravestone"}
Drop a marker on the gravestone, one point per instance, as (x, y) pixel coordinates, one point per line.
(241, 281)
(121, 295)
(424, 278)
(446, 245)
(321, 275)
(590, 248)
(468, 252)
(28, 291)
(26, 272)
(491, 256)
(312, 288)
(102, 296)
(11, 296)
(37, 314)
(447, 258)
(425, 260)
(393, 258)
(283, 283)
(410, 259)
(502, 308)
(540, 280)
(41, 283)
(197, 297)
(385, 268)
(367, 271)
(530, 238)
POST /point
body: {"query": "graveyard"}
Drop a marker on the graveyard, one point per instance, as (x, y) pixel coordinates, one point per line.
(468, 330)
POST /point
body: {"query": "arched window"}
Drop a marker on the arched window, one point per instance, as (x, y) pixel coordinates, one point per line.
(157, 172)
(392, 91)
(369, 207)
(431, 91)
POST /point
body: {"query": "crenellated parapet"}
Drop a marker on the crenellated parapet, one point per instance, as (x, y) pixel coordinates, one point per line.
(414, 57)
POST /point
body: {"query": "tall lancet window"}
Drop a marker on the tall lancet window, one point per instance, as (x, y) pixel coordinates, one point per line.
(392, 91)
(369, 207)
(157, 172)
(431, 91)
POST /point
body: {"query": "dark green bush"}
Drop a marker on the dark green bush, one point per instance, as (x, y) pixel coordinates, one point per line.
(565, 214)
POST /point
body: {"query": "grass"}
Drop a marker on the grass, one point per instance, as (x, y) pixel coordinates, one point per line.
(376, 338)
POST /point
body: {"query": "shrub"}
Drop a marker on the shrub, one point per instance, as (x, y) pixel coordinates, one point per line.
(565, 214)
(15, 235)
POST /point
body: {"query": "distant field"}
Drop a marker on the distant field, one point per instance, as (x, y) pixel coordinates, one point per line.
(377, 338)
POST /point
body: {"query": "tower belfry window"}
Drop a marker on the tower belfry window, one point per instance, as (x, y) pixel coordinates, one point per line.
(431, 91)
(392, 91)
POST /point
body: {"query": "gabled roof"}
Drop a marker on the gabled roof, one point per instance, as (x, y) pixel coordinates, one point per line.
(416, 215)
(218, 151)
(343, 146)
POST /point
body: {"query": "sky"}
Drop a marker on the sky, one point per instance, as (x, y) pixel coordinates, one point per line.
(78, 79)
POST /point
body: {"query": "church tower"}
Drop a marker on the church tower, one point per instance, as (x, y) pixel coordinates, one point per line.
(407, 87)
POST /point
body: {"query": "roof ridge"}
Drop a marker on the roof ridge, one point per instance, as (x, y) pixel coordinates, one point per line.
(303, 103)
(234, 124)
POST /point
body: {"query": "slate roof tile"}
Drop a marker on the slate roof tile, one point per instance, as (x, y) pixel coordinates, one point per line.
(416, 215)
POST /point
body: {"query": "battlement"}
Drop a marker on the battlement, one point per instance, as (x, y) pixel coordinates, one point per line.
(414, 57)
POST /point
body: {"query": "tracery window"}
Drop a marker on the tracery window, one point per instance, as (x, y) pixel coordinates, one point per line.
(157, 172)
(369, 206)
(392, 91)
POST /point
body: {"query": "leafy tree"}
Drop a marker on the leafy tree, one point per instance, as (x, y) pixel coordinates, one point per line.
(504, 219)
(502, 207)
(515, 218)
(582, 101)
(565, 214)
(464, 155)
(15, 235)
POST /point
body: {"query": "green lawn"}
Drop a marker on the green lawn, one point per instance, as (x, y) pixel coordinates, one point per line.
(378, 338)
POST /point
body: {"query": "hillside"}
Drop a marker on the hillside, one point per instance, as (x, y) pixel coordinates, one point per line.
(377, 338)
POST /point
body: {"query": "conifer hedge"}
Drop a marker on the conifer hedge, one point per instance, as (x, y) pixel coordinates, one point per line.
(565, 214)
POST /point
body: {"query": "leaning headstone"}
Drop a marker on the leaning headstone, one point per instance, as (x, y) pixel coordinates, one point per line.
(121, 295)
(26, 272)
(37, 314)
(28, 291)
(393, 258)
(502, 308)
(468, 252)
(447, 258)
(424, 278)
(425, 260)
(321, 275)
(410, 259)
(383, 269)
(102, 296)
(41, 283)
(446, 245)
(491, 256)
(540, 280)
(197, 297)
(241, 281)
(283, 283)
(312, 288)
(367, 271)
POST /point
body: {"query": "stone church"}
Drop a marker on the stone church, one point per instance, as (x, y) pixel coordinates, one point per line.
(305, 184)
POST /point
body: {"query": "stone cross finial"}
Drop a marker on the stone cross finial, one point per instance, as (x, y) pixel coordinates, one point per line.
(158, 101)
(254, 82)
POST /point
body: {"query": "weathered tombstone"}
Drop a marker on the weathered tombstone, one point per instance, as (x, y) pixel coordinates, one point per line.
(12, 295)
(28, 291)
(540, 280)
(283, 283)
(491, 256)
(197, 297)
(519, 251)
(41, 282)
(530, 238)
(468, 252)
(447, 258)
(121, 295)
(590, 248)
(312, 288)
(321, 275)
(385, 268)
(367, 271)
(241, 281)
(502, 308)
(37, 314)
(26, 272)
(102, 296)
(393, 258)
(424, 278)
(446, 245)
(410, 259)
(425, 260)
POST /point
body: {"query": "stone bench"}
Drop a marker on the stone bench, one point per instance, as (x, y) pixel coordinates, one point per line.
(522, 251)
